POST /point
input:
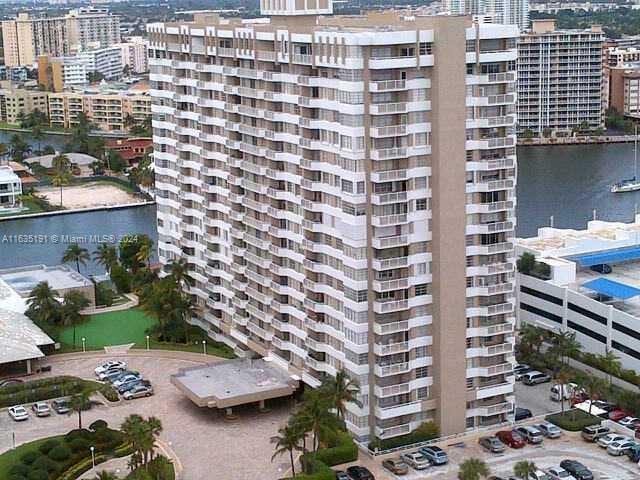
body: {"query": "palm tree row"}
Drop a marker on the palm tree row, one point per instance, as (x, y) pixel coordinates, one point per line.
(142, 434)
(475, 469)
(320, 415)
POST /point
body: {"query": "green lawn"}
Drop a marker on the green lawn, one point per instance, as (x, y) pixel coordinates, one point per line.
(12, 457)
(115, 328)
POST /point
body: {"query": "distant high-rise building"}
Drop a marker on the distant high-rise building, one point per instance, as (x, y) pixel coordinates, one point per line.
(506, 12)
(559, 78)
(343, 190)
(26, 38)
(135, 54)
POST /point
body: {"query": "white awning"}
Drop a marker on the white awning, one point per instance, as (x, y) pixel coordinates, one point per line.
(20, 337)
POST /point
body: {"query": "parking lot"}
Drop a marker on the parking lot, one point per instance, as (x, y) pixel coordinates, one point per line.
(551, 453)
(201, 438)
(536, 398)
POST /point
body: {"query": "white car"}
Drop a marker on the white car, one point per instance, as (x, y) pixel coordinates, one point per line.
(18, 413)
(608, 439)
(619, 448)
(559, 473)
(111, 364)
(416, 460)
(41, 409)
(539, 475)
(629, 422)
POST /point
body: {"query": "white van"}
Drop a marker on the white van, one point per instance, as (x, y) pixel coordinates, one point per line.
(567, 391)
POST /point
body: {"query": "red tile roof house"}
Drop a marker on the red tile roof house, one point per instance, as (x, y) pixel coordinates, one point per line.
(131, 149)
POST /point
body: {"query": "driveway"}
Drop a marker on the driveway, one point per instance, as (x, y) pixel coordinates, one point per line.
(201, 438)
(537, 398)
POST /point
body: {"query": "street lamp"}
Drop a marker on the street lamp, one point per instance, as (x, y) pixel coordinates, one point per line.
(147, 342)
(84, 346)
(93, 457)
(204, 347)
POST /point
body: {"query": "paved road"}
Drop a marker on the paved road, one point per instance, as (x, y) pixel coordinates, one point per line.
(201, 438)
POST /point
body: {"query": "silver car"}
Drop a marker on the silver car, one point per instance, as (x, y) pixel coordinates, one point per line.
(549, 430)
(138, 391)
(416, 460)
(41, 409)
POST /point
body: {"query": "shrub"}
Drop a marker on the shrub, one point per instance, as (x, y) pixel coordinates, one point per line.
(425, 432)
(60, 453)
(29, 457)
(45, 463)
(79, 445)
(121, 279)
(573, 420)
(19, 469)
(98, 425)
(73, 434)
(109, 393)
(104, 294)
(38, 475)
(345, 451)
(17, 476)
(316, 470)
(49, 445)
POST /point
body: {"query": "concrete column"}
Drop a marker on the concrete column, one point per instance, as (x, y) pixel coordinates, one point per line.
(28, 367)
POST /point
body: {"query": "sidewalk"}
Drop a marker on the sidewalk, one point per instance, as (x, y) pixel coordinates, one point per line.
(116, 465)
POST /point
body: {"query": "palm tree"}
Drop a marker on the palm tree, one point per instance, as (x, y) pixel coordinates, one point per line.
(341, 390)
(531, 338)
(73, 301)
(79, 402)
(37, 134)
(105, 475)
(315, 416)
(566, 345)
(3, 151)
(145, 251)
(562, 378)
(594, 387)
(473, 469)
(142, 434)
(523, 469)
(288, 441)
(77, 254)
(179, 271)
(42, 303)
(61, 172)
(106, 255)
(611, 364)
(18, 147)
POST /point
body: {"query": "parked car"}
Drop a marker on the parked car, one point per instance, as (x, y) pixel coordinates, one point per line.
(109, 365)
(138, 391)
(539, 475)
(604, 405)
(559, 473)
(41, 409)
(436, 455)
(618, 414)
(360, 473)
(126, 378)
(620, 447)
(18, 413)
(110, 373)
(594, 432)
(126, 386)
(578, 470)
(630, 422)
(549, 430)
(116, 375)
(522, 414)
(492, 444)
(535, 377)
(511, 438)
(340, 475)
(519, 370)
(416, 460)
(609, 438)
(396, 466)
(562, 392)
(531, 434)
(61, 406)
(633, 453)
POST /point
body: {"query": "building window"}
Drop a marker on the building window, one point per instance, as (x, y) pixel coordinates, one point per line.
(422, 372)
(541, 313)
(541, 295)
(587, 332)
(422, 289)
(587, 313)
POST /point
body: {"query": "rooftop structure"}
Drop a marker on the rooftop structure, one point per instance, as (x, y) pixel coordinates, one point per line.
(20, 338)
(506, 12)
(593, 289)
(10, 190)
(236, 382)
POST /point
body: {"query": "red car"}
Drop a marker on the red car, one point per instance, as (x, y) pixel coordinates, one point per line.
(618, 414)
(513, 439)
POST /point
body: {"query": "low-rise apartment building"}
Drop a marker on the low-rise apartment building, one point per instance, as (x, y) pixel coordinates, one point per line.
(108, 110)
(603, 309)
(16, 102)
(623, 93)
(559, 78)
(10, 190)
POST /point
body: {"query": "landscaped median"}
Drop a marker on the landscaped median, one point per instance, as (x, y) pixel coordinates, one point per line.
(53, 387)
(573, 420)
(64, 457)
(340, 449)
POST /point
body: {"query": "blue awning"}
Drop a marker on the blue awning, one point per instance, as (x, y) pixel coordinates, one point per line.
(612, 288)
(616, 255)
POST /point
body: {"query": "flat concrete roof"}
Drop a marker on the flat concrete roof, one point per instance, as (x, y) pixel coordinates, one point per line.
(234, 382)
(20, 338)
(61, 277)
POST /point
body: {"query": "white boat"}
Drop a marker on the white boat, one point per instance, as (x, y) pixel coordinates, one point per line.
(630, 184)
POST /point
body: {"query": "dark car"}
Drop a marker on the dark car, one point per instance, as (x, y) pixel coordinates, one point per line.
(522, 414)
(436, 455)
(125, 387)
(578, 470)
(61, 405)
(601, 268)
(360, 473)
(513, 439)
(340, 475)
(633, 453)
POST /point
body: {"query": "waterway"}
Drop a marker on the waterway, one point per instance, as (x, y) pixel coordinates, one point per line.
(566, 182)
(56, 141)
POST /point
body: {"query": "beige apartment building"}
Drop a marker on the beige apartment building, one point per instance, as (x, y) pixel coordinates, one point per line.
(343, 189)
(15, 102)
(25, 38)
(107, 110)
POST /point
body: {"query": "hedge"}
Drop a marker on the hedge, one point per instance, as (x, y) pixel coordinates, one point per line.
(573, 420)
(342, 449)
(425, 432)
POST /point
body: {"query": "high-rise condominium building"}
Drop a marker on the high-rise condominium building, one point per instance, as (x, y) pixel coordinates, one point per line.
(26, 38)
(343, 191)
(507, 12)
(559, 78)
